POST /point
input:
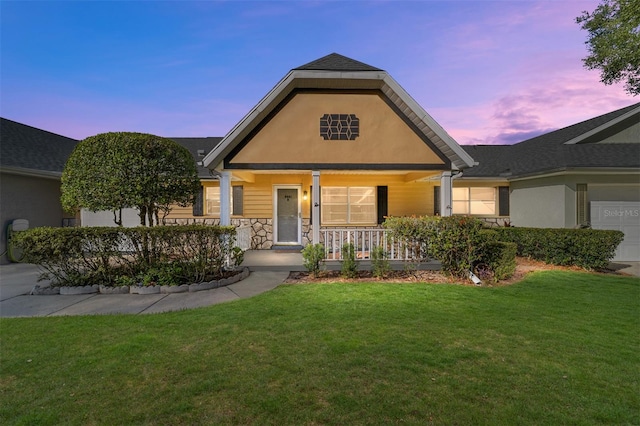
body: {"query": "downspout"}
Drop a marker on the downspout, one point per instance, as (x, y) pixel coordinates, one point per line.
(446, 188)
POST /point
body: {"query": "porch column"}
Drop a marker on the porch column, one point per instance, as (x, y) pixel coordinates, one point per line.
(315, 204)
(446, 203)
(225, 204)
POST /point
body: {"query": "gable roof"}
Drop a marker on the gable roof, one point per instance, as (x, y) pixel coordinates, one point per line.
(562, 149)
(27, 150)
(336, 72)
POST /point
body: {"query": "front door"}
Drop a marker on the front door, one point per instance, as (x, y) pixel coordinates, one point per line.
(287, 215)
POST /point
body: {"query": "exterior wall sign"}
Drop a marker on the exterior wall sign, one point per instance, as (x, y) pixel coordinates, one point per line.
(339, 127)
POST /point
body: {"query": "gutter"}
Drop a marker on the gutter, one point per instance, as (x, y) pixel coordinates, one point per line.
(20, 171)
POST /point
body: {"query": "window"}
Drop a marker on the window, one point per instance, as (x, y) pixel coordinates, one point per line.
(477, 201)
(212, 196)
(349, 205)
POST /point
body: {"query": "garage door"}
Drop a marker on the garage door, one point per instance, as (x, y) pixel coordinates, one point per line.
(622, 216)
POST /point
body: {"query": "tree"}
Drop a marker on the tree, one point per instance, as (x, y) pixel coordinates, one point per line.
(614, 42)
(113, 171)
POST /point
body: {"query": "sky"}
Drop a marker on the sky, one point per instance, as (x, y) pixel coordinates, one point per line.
(490, 72)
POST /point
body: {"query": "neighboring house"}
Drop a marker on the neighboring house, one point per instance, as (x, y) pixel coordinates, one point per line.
(31, 164)
(336, 144)
(584, 174)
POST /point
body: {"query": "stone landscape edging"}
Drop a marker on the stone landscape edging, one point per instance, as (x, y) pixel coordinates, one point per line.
(155, 289)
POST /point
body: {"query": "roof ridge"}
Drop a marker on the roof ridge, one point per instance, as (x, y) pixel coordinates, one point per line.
(38, 129)
(590, 122)
(336, 62)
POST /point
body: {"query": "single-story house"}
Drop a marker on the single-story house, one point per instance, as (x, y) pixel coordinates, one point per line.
(337, 145)
(341, 141)
(31, 164)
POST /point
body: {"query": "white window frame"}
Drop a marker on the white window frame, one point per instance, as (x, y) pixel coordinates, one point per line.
(215, 213)
(348, 220)
(470, 201)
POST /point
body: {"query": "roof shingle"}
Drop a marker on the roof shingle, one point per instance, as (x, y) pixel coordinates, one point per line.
(336, 62)
(549, 152)
(26, 147)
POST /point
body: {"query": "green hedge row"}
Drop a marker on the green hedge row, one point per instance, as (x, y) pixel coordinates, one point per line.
(126, 256)
(587, 248)
(458, 242)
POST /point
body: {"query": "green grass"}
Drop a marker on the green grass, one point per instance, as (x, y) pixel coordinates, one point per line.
(557, 348)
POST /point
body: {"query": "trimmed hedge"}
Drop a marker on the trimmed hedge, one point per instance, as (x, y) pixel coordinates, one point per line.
(587, 248)
(454, 240)
(500, 258)
(124, 256)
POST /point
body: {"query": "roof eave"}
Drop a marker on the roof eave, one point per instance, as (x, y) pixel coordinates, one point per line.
(604, 126)
(577, 171)
(22, 171)
(460, 159)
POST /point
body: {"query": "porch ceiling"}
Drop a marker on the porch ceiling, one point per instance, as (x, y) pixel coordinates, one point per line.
(409, 176)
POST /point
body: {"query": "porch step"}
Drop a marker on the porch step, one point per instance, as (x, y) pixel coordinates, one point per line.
(287, 249)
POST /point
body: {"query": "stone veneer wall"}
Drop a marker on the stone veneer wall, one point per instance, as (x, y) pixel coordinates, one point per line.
(261, 229)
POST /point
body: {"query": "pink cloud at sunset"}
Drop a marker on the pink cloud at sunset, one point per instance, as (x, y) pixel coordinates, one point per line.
(490, 72)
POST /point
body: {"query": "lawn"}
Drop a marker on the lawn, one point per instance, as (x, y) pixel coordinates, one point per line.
(558, 348)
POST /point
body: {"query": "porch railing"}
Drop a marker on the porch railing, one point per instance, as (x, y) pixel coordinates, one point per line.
(365, 240)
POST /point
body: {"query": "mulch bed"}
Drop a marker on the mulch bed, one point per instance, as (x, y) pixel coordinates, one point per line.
(523, 267)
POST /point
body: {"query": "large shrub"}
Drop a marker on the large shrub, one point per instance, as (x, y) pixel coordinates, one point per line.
(455, 241)
(587, 248)
(496, 261)
(416, 233)
(91, 255)
(113, 171)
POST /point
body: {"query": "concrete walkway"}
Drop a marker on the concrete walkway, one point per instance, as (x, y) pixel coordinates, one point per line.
(268, 270)
(17, 281)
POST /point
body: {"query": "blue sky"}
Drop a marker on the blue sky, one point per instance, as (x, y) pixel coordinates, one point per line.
(487, 71)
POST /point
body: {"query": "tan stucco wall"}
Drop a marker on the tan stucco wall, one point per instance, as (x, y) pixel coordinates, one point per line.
(293, 134)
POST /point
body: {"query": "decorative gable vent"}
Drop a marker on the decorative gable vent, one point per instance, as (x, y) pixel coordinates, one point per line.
(342, 127)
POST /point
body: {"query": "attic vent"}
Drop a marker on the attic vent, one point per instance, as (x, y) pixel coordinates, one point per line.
(201, 153)
(339, 127)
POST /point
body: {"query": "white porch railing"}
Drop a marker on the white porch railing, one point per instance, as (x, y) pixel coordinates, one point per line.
(365, 240)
